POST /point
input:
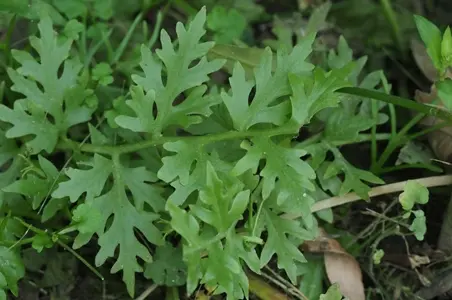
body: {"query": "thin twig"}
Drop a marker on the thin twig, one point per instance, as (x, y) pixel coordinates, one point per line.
(263, 290)
(376, 191)
(291, 289)
(147, 292)
(274, 281)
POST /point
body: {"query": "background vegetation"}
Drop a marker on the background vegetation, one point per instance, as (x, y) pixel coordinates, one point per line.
(148, 164)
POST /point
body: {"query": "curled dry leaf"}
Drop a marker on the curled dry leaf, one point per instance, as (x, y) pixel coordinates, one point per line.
(418, 260)
(341, 267)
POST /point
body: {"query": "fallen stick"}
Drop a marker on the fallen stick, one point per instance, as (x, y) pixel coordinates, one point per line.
(376, 191)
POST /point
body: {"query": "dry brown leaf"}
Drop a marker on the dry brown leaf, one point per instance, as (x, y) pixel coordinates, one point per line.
(423, 61)
(341, 267)
(344, 270)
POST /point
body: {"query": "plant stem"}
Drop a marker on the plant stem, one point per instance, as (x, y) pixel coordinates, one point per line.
(428, 130)
(57, 239)
(403, 102)
(411, 166)
(393, 117)
(157, 27)
(13, 244)
(147, 292)
(29, 226)
(7, 40)
(374, 148)
(79, 257)
(399, 139)
(66, 143)
(185, 7)
(391, 17)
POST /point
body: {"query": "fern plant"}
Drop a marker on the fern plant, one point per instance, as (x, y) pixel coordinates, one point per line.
(180, 179)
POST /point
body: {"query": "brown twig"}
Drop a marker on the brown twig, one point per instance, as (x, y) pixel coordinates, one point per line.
(284, 284)
(263, 290)
(376, 191)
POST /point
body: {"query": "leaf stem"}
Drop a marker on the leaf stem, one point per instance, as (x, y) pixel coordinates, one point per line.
(80, 258)
(392, 19)
(66, 143)
(393, 117)
(157, 27)
(374, 146)
(395, 141)
(57, 238)
(12, 244)
(29, 226)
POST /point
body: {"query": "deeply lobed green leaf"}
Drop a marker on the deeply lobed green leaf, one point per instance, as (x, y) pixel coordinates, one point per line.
(53, 102)
(181, 76)
(126, 215)
(269, 87)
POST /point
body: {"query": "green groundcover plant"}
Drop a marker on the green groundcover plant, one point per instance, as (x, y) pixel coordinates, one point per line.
(182, 179)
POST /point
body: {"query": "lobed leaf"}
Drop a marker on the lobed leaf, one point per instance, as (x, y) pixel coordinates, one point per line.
(312, 94)
(8, 153)
(117, 218)
(11, 271)
(227, 24)
(279, 243)
(269, 87)
(284, 172)
(45, 134)
(35, 186)
(90, 181)
(413, 193)
(41, 113)
(168, 267)
(219, 205)
(221, 267)
(181, 76)
(342, 126)
(186, 170)
(354, 177)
